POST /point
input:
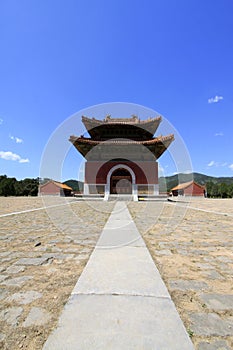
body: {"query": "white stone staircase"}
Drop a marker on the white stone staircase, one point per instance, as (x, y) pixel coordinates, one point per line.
(121, 197)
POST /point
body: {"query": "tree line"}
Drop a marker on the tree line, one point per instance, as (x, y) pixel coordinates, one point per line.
(219, 190)
(9, 186)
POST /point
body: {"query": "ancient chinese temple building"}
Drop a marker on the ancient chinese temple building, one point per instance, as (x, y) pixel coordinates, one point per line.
(121, 155)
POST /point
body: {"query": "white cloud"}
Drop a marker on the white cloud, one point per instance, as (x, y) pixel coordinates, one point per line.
(212, 163)
(16, 139)
(231, 166)
(8, 155)
(217, 164)
(1, 121)
(215, 99)
(26, 160)
(218, 134)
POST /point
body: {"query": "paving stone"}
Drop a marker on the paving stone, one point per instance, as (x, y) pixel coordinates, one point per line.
(85, 250)
(198, 252)
(11, 315)
(218, 301)
(183, 252)
(17, 281)
(32, 261)
(25, 297)
(56, 250)
(119, 322)
(15, 269)
(64, 256)
(187, 285)
(224, 267)
(82, 257)
(217, 345)
(210, 325)
(205, 266)
(54, 241)
(29, 240)
(36, 317)
(67, 240)
(2, 337)
(163, 252)
(209, 259)
(213, 275)
(70, 250)
(164, 245)
(3, 254)
(15, 255)
(5, 259)
(78, 241)
(90, 242)
(3, 277)
(58, 256)
(224, 259)
(52, 270)
(3, 293)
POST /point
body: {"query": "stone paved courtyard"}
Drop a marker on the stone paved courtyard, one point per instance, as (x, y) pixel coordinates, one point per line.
(193, 250)
(43, 252)
(42, 255)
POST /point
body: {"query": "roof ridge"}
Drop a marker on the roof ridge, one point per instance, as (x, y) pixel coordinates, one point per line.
(131, 121)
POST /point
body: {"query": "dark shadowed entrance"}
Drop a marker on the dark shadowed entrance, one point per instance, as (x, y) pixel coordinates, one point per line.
(121, 182)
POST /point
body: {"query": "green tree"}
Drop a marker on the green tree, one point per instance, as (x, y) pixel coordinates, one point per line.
(7, 186)
(209, 188)
(223, 190)
(12, 187)
(230, 191)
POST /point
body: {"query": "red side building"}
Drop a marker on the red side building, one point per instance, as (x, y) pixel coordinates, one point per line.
(190, 188)
(54, 188)
(121, 155)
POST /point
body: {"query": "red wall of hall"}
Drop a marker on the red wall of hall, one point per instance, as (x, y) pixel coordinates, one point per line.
(50, 188)
(145, 172)
(194, 190)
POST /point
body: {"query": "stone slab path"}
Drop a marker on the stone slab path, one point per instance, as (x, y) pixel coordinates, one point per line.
(120, 300)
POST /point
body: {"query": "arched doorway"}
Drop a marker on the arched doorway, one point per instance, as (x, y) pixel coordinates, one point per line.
(121, 182)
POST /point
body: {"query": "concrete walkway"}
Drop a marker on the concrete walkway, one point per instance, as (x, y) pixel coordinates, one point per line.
(120, 301)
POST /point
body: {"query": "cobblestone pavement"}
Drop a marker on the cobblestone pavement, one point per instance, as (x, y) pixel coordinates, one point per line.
(193, 250)
(42, 254)
(15, 204)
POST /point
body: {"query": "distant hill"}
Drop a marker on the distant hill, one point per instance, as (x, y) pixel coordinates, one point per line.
(75, 185)
(168, 182)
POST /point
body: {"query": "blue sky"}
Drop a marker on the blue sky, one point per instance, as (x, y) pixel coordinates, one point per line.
(59, 57)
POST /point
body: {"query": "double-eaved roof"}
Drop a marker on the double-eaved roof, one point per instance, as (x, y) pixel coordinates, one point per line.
(121, 138)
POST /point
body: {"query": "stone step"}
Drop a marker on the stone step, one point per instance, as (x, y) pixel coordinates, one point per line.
(121, 197)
